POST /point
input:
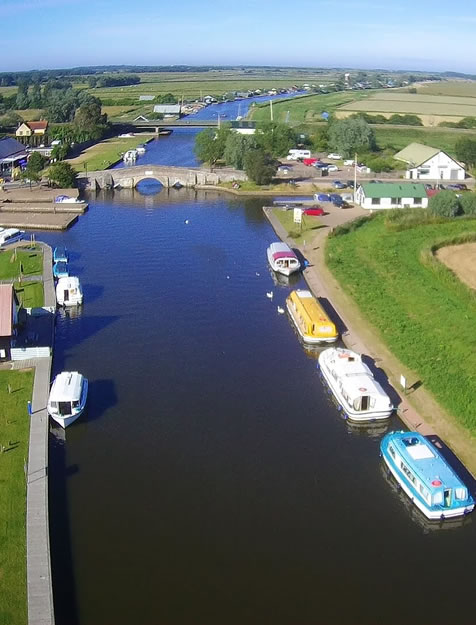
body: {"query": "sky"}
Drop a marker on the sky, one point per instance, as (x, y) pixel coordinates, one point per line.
(385, 34)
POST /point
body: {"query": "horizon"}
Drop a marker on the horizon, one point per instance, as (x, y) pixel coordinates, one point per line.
(247, 36)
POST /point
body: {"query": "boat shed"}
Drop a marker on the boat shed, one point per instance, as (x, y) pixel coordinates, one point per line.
(8, 319)
(391, 195)
(427, 163)
(168, 110)
(12, 152)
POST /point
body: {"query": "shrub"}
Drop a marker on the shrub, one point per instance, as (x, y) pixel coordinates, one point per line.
(468, 203)
(259, 166)
(445, 204)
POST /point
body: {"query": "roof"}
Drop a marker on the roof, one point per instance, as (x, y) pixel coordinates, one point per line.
(416, 154)
(169, 109)
(146, 98)
(67, 386)
(9, 146)
(6, 308)
(394, 189)
(42, 125)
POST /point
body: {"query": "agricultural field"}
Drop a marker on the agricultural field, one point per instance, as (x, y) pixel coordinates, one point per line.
(306, 109)
(397, 283)
(433, 109)
(463, 88)
(398, 137)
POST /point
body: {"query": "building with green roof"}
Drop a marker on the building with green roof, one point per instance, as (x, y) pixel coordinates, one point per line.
(376, 196)
(427, 163)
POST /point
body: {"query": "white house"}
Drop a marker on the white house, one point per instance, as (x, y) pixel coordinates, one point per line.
(427, 163)
(391, 195)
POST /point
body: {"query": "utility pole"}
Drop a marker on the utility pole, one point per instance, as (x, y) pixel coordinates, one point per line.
(271, 109)
(355, 176)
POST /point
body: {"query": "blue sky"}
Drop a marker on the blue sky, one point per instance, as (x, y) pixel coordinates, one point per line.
(403, 34)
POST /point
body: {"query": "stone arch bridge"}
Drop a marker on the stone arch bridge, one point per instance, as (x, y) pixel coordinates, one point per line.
(129, 177)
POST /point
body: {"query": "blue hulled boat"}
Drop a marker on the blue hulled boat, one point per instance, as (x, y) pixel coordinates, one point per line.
(425, 476)
(60, 270)
(60, 254)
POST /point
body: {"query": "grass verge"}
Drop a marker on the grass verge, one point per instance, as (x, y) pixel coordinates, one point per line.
(426, 319)
(309, 225)
(30, 294)
(104, 154)
(28, 262)
(14, 435)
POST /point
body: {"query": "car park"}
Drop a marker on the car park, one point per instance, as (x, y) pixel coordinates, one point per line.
(339, 185)
(314, 210)
(335, 157)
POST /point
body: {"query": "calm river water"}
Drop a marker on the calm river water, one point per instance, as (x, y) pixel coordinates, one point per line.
(212, 480)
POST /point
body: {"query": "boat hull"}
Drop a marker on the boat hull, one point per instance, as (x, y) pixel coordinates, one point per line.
(65, 420)
(434, 515)
(358, 417)
(285, 271)
(309, 340)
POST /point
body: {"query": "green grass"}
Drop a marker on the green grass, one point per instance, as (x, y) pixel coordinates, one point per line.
(104, 154)
(310, 223)
(306, 109)
(14, 435)
(442, 138)
(30, 294)
(424, 314)
(458, 88)
(29, 262)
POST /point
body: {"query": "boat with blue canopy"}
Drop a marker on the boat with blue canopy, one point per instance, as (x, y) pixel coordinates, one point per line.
(60, 254)
(60, 270)
(425, 476)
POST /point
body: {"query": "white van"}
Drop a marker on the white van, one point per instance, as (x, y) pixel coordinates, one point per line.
(295, 155)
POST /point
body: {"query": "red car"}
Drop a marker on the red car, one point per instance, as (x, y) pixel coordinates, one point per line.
(309, 161)
(314, 210)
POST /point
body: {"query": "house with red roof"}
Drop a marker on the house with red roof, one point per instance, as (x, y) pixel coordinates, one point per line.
(27, 129)
(8, 319)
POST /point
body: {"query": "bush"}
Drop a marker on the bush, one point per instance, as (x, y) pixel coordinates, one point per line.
(259, 166)
(62, 175)
(468, 203)
(382, 164)
(445, 204)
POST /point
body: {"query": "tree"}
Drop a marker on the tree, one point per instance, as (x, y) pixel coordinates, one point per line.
(236, 146)
(36, 163)
(259, 166)
(347, 136)
(468, 203)
(89, 120)
(22, 100)
(444, 204)
(274, 138)
(320, 140)
(210, 144)
(465, 149)
(62, 175)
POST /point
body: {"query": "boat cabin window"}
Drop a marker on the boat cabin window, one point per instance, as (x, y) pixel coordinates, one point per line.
(447, 497)
(438, 498)
(408, 473)
(461, 493)
(392, 451)
(364, 402)
(75, 404)
(64, 407)
(425, 493)
(409, 442)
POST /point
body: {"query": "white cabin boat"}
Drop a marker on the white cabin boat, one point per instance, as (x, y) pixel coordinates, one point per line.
(130, 156)
(10, 235)
(69, 291)
(67, 399)
(140, 149)
(282, 259)
(353, 385)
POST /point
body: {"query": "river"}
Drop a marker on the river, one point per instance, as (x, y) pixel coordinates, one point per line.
(212, 479)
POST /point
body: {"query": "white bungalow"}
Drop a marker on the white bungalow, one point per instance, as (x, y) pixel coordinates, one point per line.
(427, 163)
(391, 195)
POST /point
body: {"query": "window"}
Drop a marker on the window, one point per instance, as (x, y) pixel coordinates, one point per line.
(392, 451)
(417, 201)
(460, 493)
(375, 201)
(394, 201)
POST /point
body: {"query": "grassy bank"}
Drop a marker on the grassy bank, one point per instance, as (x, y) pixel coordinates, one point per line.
(424, 314)
(14, 434)
(298, 233)
(29, 262)
(104, 154)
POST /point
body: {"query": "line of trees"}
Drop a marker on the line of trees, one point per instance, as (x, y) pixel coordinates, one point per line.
(113, 80)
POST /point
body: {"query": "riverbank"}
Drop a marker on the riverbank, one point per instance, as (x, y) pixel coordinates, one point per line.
(107, 153)
(418, 409)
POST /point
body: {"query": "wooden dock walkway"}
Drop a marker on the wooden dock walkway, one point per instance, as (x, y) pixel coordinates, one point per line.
(32, 220)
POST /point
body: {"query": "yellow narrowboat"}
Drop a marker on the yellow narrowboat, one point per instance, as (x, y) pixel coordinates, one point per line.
(312, 323)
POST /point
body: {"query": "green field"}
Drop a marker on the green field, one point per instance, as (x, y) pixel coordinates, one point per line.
(399, 137)
(104, 154)
(464, 88)
(306, 109)
(14, 434)
(423, 313)
(417, 104)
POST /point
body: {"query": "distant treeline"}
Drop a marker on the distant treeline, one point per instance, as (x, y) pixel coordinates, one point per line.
(395, 119)
(113, 80)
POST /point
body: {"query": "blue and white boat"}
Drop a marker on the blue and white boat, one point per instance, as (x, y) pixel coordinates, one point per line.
(60, 269)
(60, 254)
(425, 476)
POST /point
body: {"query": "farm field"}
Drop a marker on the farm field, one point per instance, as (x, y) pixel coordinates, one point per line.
(398, 137)
(382, 270)
(465, 88)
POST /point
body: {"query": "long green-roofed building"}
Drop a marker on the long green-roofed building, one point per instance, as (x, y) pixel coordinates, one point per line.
(391, 195)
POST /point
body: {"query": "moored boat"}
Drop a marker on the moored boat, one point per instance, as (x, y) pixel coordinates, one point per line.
(68, 396)
(140, 149)
(425, 476)
(10, 235)
(60, 269)
(60, 254)
(353, 385)
(312, 323)
(69, 291)
(130, 156)
(282, 259)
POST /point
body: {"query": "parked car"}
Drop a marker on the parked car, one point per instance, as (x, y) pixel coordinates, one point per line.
(332, 168)
(453, 187)
(334, 156)
(335, 196)
(309, 161)
(349, 162)
(321, 165)
(314, 210)
(348, 197)
(284, 169)
(350, 184)
(440, 187)
(323, 197)
(339, 185)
